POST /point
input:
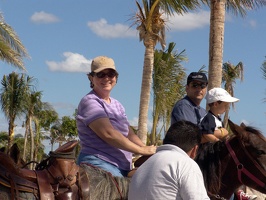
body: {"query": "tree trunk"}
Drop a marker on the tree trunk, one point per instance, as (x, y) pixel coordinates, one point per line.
(25, 139)
(32, 142)
(11, 134)
(145, 90)
(154, 127)
(216, 42)
(37, 141)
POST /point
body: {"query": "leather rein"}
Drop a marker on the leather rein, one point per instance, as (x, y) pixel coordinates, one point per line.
(241, 168)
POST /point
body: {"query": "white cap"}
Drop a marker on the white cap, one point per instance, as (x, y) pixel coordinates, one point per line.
(219, 94)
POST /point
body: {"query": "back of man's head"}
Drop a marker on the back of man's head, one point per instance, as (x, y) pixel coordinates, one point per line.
(183, 134)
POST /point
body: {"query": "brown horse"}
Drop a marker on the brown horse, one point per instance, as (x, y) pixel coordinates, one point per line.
(241, 160)
(15, 155)
(226, 165)
(58, 177)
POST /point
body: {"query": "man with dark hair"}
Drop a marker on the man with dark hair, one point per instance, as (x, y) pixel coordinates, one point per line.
(189, 107)
(171, 173)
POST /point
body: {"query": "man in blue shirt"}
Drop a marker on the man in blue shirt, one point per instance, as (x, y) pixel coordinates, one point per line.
(189, 107)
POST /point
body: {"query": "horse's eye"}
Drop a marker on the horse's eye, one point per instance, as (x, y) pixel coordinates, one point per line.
(260, 152)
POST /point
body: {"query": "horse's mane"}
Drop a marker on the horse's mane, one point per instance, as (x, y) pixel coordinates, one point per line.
(209, 162)
(255, 131)
(105, 186)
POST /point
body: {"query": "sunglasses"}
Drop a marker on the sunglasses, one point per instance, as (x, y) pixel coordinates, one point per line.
(110, 74)
(202, 85)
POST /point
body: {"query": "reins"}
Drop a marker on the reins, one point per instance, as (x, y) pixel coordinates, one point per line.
(241, 168)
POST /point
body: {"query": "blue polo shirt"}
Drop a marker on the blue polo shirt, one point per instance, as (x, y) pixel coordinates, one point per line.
(185, 109)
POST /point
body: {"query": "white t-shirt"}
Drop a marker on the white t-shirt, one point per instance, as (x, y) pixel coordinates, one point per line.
(170, 174)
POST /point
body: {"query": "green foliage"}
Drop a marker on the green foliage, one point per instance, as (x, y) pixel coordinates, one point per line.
(230, 73)
(168, 87)
(14, 98)
(3, 139)
(69, 127)
(47, 118)
(15, 89)
(240, 7)
(11, 48)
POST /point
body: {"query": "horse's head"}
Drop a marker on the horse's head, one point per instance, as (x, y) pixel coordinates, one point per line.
(61, 165)
(249, 147)
(253, 140)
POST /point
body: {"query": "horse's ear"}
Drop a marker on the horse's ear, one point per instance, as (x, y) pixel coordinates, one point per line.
(15, 152)
(235, 128)
(243, 125)
(239, 131)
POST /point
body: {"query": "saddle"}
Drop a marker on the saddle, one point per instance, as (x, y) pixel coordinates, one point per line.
(56, 178)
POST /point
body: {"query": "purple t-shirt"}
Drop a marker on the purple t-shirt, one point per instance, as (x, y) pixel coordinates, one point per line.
(90, 108)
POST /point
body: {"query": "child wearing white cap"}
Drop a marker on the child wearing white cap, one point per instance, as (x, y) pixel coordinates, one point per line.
(211, 124)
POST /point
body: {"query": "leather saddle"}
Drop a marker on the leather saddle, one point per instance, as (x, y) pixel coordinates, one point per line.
(56, 178)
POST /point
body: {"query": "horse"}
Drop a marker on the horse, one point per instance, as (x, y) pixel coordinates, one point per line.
(15, 155)
(239, 160)
(58, 177)
(226, 165)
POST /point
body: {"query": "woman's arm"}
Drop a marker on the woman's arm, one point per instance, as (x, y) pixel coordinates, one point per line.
(104, 129)
(134, 138)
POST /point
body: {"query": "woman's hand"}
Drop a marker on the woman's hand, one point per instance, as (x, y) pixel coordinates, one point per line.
(148, 150)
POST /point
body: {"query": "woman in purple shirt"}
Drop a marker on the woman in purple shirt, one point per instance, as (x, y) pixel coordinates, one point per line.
(106, 139)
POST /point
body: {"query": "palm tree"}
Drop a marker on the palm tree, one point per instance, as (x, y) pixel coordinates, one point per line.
(48, 121)
(54, 134)
(151, 27)
(216, 37)
(230, 74)
(12, 50)
(34, 104)
(3, 140)
(168, 86)
(14, 91)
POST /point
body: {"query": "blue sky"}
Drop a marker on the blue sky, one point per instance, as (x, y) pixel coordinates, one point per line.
(62, 37)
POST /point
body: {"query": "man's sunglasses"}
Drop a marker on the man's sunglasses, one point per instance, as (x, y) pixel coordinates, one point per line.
(202, 85)
(110, 74)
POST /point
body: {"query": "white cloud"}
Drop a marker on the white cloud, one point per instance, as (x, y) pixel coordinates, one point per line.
(19, 130)
(105, 30)
(186, 22)
(189, 21)
(73, 62)
(135, 120)
(4, 125)
(252, 23)
(44, 18)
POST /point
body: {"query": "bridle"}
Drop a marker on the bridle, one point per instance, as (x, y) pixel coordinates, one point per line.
(241, 168)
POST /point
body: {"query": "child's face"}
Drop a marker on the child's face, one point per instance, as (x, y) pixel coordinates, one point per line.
(221, 106)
